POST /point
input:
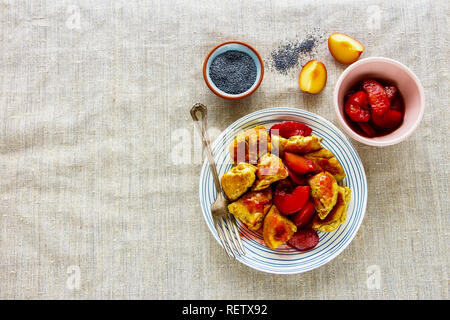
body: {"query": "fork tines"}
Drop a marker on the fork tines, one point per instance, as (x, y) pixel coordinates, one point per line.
(229, 236)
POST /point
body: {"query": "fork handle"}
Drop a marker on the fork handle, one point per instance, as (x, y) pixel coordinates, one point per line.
(201, 126)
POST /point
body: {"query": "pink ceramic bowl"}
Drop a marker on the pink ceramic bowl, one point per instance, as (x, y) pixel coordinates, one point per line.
(393, 72)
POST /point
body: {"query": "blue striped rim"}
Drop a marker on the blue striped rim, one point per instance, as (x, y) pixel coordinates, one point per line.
(287, 260)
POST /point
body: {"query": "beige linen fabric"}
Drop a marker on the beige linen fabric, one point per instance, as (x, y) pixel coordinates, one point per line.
(100, 167)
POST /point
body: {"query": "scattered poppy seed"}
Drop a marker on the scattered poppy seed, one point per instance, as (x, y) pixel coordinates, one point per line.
(287, 56)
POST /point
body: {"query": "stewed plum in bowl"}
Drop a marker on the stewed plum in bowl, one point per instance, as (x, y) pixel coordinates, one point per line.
(379, 101)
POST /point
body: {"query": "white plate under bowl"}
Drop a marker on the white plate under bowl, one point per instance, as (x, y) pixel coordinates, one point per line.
(285, 260)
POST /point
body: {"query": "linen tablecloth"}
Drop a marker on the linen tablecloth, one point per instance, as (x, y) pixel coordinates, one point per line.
(100, 163)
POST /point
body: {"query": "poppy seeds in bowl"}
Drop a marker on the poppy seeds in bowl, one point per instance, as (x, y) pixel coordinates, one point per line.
(233, 72)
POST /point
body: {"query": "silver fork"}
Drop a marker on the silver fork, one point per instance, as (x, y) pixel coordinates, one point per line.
(224, 223)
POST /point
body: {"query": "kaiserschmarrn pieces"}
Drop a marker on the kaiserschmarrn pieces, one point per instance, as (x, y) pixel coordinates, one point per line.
(337, 215)
(277, 229)
(295, 144)
(236, 181)
(324, 160)
(324, 192)
(249, 145)
(279, 185)
(270, 168)
(252, 208)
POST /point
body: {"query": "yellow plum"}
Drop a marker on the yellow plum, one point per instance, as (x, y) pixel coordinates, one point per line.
(313, 77)
(344, 48)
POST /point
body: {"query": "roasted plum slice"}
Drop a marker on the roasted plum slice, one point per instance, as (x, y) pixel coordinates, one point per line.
(391, 92)
(304, 240)
(288, 198)
(298, 164)
(357, 107)
(287, 129)
(304, 216)
(298, 179)
(377, 97)
(324, 160)
(391, 119)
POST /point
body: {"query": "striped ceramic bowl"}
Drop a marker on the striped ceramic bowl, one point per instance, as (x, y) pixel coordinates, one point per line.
(285, 260)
